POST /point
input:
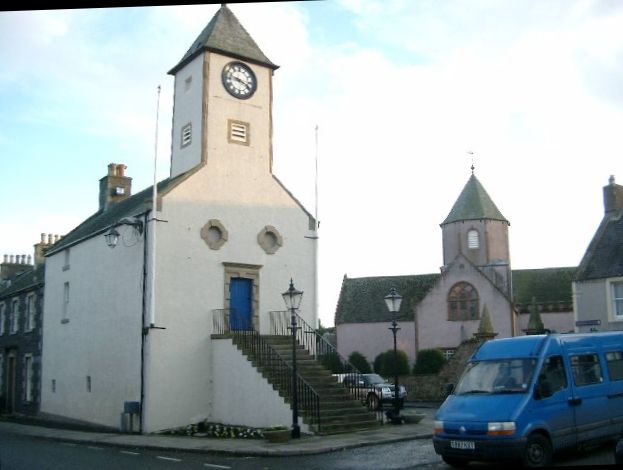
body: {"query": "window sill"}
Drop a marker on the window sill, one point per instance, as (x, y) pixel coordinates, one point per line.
(66, 267)
(65, 320)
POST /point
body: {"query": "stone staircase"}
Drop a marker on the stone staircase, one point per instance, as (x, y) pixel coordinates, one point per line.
(339, 411)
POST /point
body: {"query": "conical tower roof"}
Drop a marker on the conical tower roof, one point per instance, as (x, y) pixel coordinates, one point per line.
(474, 204)
(224, 34)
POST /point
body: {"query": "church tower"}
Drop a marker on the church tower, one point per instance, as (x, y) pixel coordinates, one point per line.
(222, 111)
(476, 229)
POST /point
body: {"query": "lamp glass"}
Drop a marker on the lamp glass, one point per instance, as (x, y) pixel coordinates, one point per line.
(393, 301)
(292, 297)
(112, 237)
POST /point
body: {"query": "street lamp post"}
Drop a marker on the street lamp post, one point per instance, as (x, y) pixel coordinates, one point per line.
(292, 299)
(393, 301)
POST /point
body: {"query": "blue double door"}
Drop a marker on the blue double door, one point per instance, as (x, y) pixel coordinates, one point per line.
(241, 303)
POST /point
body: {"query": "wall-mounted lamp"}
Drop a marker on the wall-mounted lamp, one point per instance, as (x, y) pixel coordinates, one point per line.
(112, 236)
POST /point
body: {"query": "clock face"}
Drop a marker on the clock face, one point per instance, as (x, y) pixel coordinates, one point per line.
(239, 80)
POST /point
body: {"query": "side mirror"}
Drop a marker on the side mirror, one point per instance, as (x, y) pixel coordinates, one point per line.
(449, 389)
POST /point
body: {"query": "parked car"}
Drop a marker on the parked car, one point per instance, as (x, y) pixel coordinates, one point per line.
(525, 398)
(376, 390)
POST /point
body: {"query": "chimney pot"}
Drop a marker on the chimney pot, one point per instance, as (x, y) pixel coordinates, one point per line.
(43, 238)
(29, 259)
(49, 239)
(611, 180)
(6, 258)
(11, 259)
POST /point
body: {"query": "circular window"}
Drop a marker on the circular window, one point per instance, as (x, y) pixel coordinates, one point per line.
(270, 239)
(214, 234)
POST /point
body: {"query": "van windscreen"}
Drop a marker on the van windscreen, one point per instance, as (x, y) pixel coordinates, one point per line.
(497, 376)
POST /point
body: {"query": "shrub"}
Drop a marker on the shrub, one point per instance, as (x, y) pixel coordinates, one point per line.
(332, 362)
(429, 361)
(385, 364)
(360, 362)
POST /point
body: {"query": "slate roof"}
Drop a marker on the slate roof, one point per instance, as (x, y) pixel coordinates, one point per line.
(361, 299)
(101, 221)
(551, 288)
(604, 255)
(474, 204)
(24, 280)
(224, 34)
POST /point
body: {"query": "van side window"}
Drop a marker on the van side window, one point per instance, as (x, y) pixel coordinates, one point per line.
(586, 369)
(615, 365)
(553, 374)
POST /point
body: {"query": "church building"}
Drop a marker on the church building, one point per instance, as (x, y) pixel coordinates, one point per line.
(136, 294)
(442, 310)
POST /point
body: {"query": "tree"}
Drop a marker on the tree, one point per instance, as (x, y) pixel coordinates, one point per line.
(429, 361)
(360, 362)
(384, 364)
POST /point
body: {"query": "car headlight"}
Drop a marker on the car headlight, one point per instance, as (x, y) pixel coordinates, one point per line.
(505, 428)
(386, 391)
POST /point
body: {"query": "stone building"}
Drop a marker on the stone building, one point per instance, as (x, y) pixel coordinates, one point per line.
(442, 310)
(598, 287)
(21, 321)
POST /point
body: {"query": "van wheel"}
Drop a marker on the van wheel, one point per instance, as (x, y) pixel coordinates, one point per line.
(538, 451)
(455, 462)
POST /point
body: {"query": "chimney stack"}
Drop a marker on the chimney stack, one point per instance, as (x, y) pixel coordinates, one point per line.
(47, 240)
(613, 196)
(115, 186)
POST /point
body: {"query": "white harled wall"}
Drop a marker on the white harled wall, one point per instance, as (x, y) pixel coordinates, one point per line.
(102, 337)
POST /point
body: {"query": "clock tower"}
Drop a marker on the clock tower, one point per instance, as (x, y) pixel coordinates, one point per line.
(222, 111)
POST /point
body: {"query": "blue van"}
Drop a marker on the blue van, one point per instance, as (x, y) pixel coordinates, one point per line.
(527, 397)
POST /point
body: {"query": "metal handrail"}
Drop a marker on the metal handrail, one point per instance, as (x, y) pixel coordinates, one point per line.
(278, 370)
(325, 353)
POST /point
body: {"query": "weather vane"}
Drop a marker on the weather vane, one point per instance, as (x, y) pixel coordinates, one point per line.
(469, 152)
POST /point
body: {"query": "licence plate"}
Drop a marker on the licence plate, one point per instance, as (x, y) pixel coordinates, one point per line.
(464, 445)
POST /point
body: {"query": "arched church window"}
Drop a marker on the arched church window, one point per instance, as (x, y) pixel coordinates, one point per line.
(463, 302)
(473, 242)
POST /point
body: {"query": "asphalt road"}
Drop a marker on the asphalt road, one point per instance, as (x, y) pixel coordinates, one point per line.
(26, 453)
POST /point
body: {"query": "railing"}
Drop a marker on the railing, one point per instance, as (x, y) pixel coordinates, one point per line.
(279, 371)
(326, 354)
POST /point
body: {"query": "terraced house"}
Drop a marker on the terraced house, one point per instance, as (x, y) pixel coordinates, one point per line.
(21, 320)
(441, 310)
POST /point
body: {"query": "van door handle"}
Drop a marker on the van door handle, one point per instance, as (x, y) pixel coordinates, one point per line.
(574, 401)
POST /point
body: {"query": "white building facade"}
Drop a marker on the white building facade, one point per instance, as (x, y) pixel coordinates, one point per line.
(229, 237)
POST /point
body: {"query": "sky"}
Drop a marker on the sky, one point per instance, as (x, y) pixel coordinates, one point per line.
(391, 100)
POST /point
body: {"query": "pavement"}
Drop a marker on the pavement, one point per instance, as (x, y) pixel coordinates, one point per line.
(306, 445)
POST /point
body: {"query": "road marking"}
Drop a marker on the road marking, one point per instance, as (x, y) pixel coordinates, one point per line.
(127, 452)
(215, 466)
(168, 458)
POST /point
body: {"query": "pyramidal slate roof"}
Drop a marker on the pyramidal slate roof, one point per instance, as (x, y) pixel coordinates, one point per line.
(224, 34)
(604, 255)
(474, 204)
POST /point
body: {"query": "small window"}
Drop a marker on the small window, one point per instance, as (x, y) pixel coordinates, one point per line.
(65, 318)
(53, 385)
(14, 317)
(586, 369)
(2, 319)
(30, 313)
(448, 353)
(28, 378)
(270, 239)
(187, 134)
(66, 260)
(89, 383)
(188, 83)
(617, 299)
(473, 242)
(615, 365)
(238, 132)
